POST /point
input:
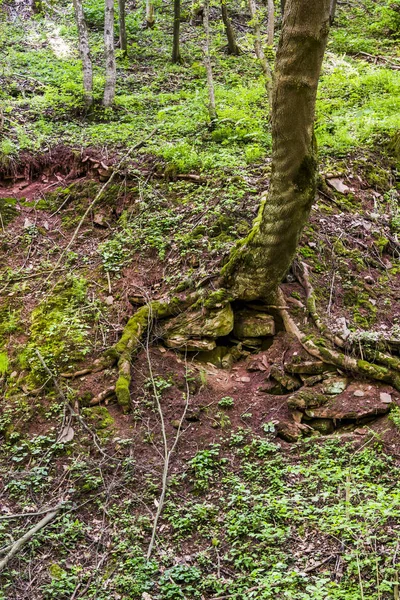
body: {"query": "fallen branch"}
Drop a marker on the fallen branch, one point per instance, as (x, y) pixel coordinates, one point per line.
(28, 535)
(107, 393)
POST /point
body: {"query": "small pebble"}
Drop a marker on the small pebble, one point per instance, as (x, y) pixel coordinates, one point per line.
(359, 393)
(385, 397)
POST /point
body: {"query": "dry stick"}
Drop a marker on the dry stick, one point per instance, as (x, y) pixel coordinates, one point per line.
(96, 199)
(167, 453)
(27, 515)
(28, 535)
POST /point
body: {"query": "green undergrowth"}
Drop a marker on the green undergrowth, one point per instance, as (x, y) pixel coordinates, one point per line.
(233, 515)
(358, 102)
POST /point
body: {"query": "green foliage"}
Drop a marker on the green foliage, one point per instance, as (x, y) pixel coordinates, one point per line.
(226, 402)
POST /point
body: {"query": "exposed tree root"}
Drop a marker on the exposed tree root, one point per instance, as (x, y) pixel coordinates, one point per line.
(333, 357)
(376, 356)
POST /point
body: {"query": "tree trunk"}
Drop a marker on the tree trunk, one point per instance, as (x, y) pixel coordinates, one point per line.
(149, 14)
(258, 47)
(257, 266)
(233, 48)
(333, 11)
(84, 51)
(207, 63)
(271, 23)
(176, 54)
(111, 70)
(122, 27)
(283, 2)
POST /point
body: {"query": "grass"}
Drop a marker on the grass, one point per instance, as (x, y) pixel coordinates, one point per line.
(358, 102)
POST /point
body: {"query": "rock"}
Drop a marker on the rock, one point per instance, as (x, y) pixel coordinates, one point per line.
(289, 382)
(274, 388)
(219, 356)
(109, 300)
(340, 408)
(310, 380)
(324, 426)
(290, 430)
(253, 343)
(334, 385)
(385, 398)
(309, 367)
(338, 185)
(250, 324)
(214, 323)
(245, 379)
(306, 399)
(191, 345)
(358, 393)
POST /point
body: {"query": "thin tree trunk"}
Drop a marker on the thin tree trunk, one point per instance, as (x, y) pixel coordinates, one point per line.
(207, 63)
(233, 48)
(149, 14)
(271, 23)
(283, 2)
(258, 264)
(258, 47)
(333, 10)
(122, 27)
(84, 51)
(176, 54)
(111, 70)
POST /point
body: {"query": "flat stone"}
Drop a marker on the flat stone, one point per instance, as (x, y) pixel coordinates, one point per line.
(289, 382)
(341, 408)
(324, 426)
(191, 345)
(198, 324)
(334, 386)
(385, 397)
(250, 324)
(291, 431)
(338, 185)
(359, 393)
(306, 399)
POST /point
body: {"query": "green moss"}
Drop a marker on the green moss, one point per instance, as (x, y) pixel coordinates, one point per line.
(123, 392)
(8, 210)
(99, 417)
(3, 363)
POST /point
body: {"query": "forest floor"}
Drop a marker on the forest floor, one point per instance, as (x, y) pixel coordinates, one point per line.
(266, 498)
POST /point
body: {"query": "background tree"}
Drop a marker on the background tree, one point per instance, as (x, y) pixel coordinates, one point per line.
(212, 111)
(150, 14)
(84, 51)
(176, 55)
(257, 267)
(233, 47)
(258, 47)
(271, 23)
(122, 27)
(111, 70)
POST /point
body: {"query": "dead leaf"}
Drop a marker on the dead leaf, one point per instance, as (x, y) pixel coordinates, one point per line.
(66, 435)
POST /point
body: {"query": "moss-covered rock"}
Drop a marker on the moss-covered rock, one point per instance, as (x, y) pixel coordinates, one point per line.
(8, 210)
(250, 324)
(199, 324)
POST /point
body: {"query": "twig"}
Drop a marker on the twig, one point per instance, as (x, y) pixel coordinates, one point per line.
(167, 453)
(28, 535)
(27, 515)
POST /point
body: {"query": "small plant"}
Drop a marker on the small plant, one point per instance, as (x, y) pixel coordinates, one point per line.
(226, 402)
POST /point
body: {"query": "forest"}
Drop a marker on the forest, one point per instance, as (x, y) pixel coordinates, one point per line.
(200, 299)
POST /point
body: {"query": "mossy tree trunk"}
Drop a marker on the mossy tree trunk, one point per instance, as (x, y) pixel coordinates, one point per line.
(271, 23)
(111, 69)
(84, 51)
(333, 10)
(258, 264)
(176, 53)
(122, 27)
(233, 48)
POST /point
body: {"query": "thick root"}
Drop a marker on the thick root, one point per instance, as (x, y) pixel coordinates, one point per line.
(336, 358)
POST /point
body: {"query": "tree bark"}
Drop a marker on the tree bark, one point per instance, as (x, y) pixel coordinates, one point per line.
(257, 266)
(271, 23)
(258, 47)
(149, 14)
(111, 70)
(176, 54)
(122, 27)
(233, 48)
(207, 63)
(84, 51)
